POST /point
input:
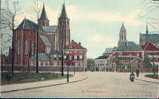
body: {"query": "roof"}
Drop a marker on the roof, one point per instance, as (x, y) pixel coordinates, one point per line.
(50, 29)
(152, 37)
(131, 46)
(102, 57)
(43, 14)
(75, 45)
(108, 50)
(150, 47)
(28, 24)
(45, 40)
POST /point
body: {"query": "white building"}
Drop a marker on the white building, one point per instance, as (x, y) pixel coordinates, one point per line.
(102, 64)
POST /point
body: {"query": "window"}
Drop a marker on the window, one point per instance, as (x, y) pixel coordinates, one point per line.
(18, 47)
(26, 47)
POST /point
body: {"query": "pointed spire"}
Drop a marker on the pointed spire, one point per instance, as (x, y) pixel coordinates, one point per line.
(123, 28)
(147, 31)
(63, 13)
(43, 14)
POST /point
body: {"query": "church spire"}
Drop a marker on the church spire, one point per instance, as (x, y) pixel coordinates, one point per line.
(63, 12)
(64, 29)
(43, 14)
(122, 36)
(147, 30)
(43, 20)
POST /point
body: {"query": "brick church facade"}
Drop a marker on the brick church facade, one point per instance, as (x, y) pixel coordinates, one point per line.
(54, 42)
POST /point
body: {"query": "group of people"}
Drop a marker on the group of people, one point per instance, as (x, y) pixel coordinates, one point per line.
(132, 75)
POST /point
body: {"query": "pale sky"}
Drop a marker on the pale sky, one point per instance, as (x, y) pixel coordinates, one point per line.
(96, 23)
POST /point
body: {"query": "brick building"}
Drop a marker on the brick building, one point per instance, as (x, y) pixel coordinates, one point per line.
(53, 40)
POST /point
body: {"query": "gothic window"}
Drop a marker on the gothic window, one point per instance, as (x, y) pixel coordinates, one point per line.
(26, 47)
(18, 47)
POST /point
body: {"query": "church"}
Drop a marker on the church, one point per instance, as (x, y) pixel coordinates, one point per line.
(52, 43)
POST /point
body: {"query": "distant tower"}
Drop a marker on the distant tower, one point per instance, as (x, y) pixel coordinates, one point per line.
(147, 30)
(63, 29)
(122, 36)
(43, 20)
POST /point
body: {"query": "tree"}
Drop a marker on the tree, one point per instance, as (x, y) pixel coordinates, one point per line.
(90, 64)
(36, 8)
(8, 21)
(147, 61)
(151, 8)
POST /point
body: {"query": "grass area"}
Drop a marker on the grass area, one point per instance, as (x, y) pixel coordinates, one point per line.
(6, 78)
(152, 76)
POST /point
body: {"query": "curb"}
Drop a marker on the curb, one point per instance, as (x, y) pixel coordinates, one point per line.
(45, 85)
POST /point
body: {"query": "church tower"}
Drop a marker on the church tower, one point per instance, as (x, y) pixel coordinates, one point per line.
(43, 20)
(122, 36)
(63, 29)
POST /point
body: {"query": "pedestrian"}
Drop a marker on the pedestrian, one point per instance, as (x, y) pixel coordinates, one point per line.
(132, 76)
(137, 72)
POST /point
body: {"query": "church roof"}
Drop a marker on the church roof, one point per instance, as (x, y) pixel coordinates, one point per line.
(150, 47)
(131, 46)
(28, 24)
(45, 40)
(43, 14)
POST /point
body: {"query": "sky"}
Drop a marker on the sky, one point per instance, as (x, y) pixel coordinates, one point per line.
(96, 23)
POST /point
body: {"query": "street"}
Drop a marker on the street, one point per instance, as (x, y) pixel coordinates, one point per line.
(98, 84)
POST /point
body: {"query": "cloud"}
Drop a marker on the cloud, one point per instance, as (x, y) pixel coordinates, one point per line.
(100, 41)
(31, 14)
(78, 15)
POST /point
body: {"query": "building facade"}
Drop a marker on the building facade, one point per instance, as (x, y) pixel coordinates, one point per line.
(54, 43)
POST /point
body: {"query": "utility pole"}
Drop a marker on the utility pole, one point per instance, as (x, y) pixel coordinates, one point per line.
(37, 59)
(62, 59)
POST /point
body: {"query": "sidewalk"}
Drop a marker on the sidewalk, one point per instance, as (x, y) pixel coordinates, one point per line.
(79, 76)
(147, 79)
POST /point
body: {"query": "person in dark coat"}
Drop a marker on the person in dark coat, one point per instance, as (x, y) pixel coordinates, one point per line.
(137, 72)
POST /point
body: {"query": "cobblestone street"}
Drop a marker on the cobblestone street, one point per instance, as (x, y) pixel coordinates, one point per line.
(98, 84)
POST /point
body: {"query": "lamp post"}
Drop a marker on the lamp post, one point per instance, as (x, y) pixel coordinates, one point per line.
(62, 59)
(153, 66)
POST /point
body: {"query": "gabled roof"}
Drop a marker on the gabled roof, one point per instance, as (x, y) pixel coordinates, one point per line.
(151, 37)
(150, 47)
(131, 46)
(43, 14)
(75, 45)
(28, 24)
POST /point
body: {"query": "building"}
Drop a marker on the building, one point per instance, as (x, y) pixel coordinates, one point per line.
(101, 63)
(152, 52)
(54, 42)
(149, 41)
(127, 56)
(152, 37)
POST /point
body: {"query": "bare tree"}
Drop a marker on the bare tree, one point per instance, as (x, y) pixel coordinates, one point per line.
(36, 8)
(151, 8)
(8, 21)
